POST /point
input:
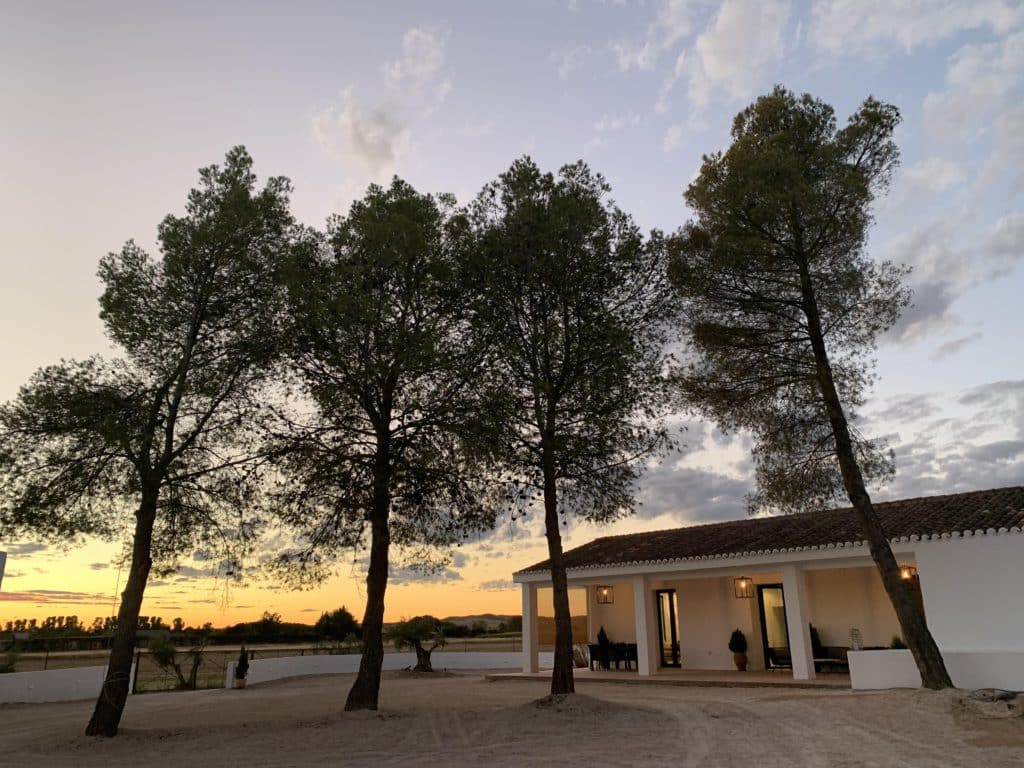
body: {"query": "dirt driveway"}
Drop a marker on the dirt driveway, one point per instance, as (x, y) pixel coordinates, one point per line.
(464, 720)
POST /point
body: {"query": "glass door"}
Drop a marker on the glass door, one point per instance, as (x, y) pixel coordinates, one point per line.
(668, 633)
(774, 634)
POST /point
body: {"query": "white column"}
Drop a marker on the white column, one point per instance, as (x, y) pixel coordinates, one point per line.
(798, 622)
(646, 630)
(591, 611)
(530, 660)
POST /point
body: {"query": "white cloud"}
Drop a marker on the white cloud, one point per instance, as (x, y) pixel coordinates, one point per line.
(422, 58)
(1007, 243)
(617, 122)
(981, 78)
(673, 139)
(673, 22)
(569, 61)
(862, 27)
(954, 346)
(733, 53)
(368, 141)
(1008, 150)
(934, 175)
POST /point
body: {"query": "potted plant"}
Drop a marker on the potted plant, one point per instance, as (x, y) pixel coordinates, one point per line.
(241, 669)
(738, 646)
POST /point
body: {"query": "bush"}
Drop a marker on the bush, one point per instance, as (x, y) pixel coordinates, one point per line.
(897, 643)
(737, 642)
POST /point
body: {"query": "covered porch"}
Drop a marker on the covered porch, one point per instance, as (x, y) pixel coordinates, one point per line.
(680, 617)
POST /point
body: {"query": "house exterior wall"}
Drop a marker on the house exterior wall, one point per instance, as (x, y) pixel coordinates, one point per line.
(843, 598)
(618, 618)
(708, 613)
(973, 591)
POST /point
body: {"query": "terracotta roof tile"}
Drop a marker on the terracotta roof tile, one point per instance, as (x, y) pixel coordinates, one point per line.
(999, 508)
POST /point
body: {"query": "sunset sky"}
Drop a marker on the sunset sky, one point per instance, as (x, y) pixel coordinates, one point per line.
(108, 109)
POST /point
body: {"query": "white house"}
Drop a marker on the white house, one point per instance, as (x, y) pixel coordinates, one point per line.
(678, 594)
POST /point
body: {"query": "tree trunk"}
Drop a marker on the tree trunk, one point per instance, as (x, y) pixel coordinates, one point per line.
(912, 622)
(422, 659)
(366, 688)
(562, 675)
(106, 717)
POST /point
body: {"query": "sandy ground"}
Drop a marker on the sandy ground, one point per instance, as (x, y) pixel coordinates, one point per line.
(462, 719)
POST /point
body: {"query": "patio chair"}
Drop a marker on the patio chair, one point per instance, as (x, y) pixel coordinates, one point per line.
(778, 658)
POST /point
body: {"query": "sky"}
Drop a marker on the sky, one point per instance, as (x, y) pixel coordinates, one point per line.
(108, 110)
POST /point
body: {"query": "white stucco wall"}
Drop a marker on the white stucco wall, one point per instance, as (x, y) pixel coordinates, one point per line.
(968, 669)
(843, 598)
(617, 618)
(708, 613)
(973, 591)
(265, 670)
(52, 685)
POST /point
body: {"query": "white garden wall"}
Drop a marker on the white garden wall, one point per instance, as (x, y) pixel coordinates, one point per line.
(264, 670)
(968, 669)
(52, 685)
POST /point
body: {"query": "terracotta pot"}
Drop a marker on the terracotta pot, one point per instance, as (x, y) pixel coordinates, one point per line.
(740, 660)
(239, 682)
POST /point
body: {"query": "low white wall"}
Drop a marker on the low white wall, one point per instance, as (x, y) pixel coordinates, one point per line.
(264, 670)
(967, 669)
(52, 685)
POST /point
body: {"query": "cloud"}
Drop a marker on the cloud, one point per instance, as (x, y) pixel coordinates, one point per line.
(369, 141)
(1007, 241)
(691, 495)
(1001, 450)
(497, 585)
(403, 574)
(673, 139)
(421, 59)
(608, 123)
(673, 22)
(906, 409)
(864, 27)
(939, 276)
(999, 401)
(953, 346)
(28, 548)
(734, 53)
(980, 79)
(1008, 148)
(932, 176)
(54, 597)
(567, 62)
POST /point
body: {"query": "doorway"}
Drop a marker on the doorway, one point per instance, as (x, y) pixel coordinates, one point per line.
(668, 632)
(771, 603)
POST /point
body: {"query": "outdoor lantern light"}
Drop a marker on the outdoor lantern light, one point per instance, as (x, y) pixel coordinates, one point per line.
(907, 572)
(605, 595)
(743, 586)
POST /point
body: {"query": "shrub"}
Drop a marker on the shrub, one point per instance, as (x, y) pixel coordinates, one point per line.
(737, 642)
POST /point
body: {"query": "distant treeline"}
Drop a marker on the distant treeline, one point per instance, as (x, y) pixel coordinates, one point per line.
(338, 625)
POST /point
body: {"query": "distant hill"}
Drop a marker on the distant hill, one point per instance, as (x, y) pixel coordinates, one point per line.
(492, 620)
